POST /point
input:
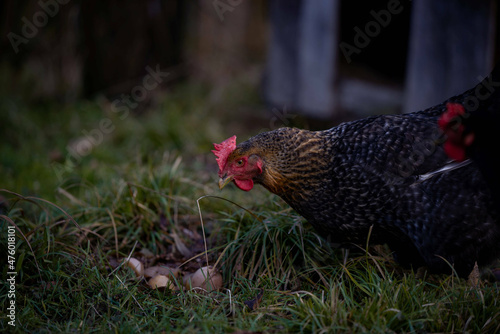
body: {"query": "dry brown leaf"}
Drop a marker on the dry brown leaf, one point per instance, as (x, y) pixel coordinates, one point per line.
(253, 304)
(474, 276)
(180, 246)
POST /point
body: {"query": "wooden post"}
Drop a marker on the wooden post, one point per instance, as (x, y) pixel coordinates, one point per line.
(302, 56)
(451, 47)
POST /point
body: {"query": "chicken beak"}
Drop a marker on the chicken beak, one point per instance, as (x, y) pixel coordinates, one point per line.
(223, 181)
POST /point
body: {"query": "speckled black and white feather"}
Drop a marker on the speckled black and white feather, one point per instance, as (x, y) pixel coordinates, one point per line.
(367, 174)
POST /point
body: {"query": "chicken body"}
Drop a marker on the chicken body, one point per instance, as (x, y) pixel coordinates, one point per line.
(379, 179)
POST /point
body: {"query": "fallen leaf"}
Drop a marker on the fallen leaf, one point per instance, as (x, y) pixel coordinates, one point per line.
(253, 304)
(474, 276)
(180, 246)
(147, 253)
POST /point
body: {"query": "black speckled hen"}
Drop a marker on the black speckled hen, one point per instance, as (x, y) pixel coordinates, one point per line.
(389, 174)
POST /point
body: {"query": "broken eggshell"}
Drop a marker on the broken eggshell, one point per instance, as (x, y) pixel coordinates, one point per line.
(160, 270)
(207, 278)
(161, 281)
(136, 266)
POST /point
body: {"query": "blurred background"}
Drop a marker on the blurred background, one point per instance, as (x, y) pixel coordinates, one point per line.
(177, 75)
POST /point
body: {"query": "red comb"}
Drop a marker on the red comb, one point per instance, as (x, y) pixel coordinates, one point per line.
(456, 142)
(223, 150)
(452, 110)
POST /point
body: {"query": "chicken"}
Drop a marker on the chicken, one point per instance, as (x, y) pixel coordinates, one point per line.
(472, 134)
(384, 179)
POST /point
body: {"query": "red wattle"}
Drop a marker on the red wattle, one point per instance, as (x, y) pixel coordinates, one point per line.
(454, 151)
(245, 185)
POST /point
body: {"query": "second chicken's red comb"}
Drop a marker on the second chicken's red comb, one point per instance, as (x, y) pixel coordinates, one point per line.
(453, 110)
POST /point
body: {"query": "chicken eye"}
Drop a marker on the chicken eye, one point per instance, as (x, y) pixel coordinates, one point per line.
(239, 162)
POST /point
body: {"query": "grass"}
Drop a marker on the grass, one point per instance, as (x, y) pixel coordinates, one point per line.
(137, 193)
